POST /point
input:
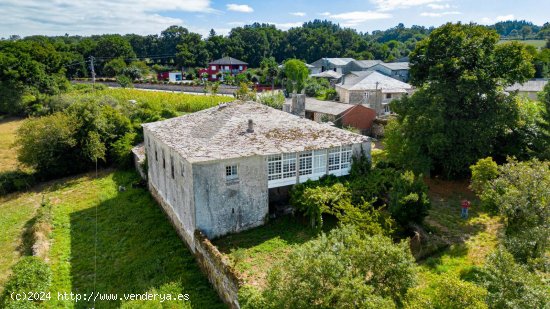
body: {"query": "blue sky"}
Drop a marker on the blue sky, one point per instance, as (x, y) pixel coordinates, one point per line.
(85, 17)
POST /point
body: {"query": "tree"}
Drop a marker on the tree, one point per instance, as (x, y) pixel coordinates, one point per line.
(47, 144)
(544, 122)
(297, 72)
(270, 70)
(409, 200)
(452, 120)
(344, 269)
(111, 47)
(510, 285)
(526, 31)
(521, 194)
(114, 67)
(483, 171)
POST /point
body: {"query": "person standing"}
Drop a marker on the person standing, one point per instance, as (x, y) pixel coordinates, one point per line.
(465, 205)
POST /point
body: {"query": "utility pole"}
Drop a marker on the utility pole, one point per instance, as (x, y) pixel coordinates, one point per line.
(93, 71)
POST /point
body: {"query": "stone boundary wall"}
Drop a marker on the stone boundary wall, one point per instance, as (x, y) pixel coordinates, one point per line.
(213, 264)
(223, 89)
(218, 270)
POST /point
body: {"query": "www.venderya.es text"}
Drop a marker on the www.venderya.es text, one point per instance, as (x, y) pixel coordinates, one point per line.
(95, 296)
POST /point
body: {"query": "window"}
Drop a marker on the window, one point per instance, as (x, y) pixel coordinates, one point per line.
(182, 170)
(231, 172)
(289, 165)
(346, 157)
(227, 67)
(319, 162)
(213, 67)
(156, 155)
(163, 160)
(240, 68)
(213, 76)
(172, 166)
(334, 159)
(388, 95)
(274, 167)
(387, 108)
(306, 163)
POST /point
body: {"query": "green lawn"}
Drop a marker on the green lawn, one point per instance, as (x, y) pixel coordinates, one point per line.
(254, 251)
(471, 239)
(137, 249)
(537, 43)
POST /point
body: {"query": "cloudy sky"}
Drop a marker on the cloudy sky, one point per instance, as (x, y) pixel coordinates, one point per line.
(84, 17)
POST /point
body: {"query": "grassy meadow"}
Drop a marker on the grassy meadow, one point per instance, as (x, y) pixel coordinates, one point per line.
(536, 43)
(8, 154)
(137, 249)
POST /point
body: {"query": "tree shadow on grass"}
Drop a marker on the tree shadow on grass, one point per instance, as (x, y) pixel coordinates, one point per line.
(137, 251)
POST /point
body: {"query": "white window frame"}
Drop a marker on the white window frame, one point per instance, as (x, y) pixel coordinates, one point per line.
(231, 172)
(274, 167)
(213, 67)
(320, 162)
(289, 165)
(305, 162)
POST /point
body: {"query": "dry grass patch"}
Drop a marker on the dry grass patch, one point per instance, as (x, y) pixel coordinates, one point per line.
(8, 153)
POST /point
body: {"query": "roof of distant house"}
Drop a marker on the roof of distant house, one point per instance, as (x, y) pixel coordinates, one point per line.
(221, 133)
(395, 66)
(365, 64)
(334, 61)
(328, 107)
(229, 61)
(534, 85)
(328, 74)
(372, 80)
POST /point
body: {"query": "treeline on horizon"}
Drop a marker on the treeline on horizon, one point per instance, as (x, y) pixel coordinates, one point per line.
(177, 47)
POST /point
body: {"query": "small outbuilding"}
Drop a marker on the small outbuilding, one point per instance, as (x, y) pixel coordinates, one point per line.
(357, 116)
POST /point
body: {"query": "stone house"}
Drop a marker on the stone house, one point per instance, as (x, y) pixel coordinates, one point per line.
(216, 169)
(372, 89)
(397, 70)
(529, 89)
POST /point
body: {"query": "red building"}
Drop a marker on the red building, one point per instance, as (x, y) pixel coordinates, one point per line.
(225, 66)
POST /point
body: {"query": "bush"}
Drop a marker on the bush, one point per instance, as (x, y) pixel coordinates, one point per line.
(13, 181)
(511, 285)
(409, 200)
(447, 292)
(344, 269)
(121, 151)
(275, 100)
(521, 194)
(483, 171)
(30, 274)
(124, 81)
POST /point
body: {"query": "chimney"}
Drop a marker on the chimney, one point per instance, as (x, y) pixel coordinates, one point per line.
(250, 126)
(299, 104)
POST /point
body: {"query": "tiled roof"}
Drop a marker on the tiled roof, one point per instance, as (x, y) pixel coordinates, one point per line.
(372, 80)
(229, 61)
(221, 133)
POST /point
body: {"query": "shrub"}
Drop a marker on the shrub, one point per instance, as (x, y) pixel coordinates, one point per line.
(122, 150)
(483, 171)
(275, 100)
(510, 285)
(124, 81)
(409, 200)
(447, 292)
(344, 269)
(13, 181)
(521, 194)
(30, 274)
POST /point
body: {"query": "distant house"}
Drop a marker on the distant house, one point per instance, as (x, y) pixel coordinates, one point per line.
(170, 76)
(225, 66)
(339, 65)
(397, 70)
(357, 116)
(218, 170)
(530, 88)
(371, 88)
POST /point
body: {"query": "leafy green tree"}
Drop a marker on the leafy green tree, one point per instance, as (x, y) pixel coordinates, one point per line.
(47, 144)
(344, 269)
(192, 52)
(409, 200)
(270, 70)
(452, 120)
(114, 67)
(296, 72)
(483, 171)
(521, 194)
(511, 285)
(111, 47)
(526, 31)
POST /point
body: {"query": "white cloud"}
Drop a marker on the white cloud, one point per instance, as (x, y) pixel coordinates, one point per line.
(489, 21)
(301, 14)
(357, 17)
(87, 17)
(236, 23)
(286, 26)
(439, 14)
(243, 8)
(390, 5)
(325, 14)
(434, 6)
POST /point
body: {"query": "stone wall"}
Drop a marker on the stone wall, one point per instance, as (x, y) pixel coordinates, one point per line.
(218, 270)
